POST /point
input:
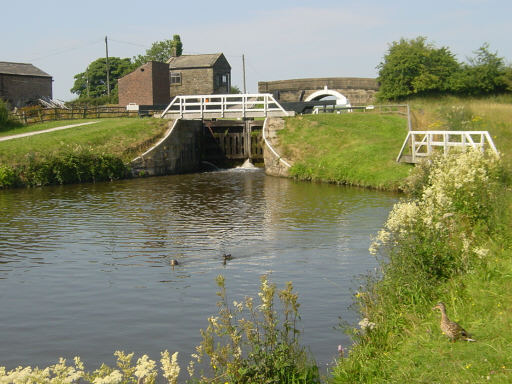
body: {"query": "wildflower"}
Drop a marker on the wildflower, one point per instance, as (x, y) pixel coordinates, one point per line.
(145, 368)
(170, 367)
(366, 324)
(115, 377)
(190, 368)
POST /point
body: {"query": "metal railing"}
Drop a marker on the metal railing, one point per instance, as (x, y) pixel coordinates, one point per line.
(423, 143)
(224, 106)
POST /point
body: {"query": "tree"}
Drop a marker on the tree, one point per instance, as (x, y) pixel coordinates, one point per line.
(93, 82)
(485, 73)
(413, 67)
(161, 51)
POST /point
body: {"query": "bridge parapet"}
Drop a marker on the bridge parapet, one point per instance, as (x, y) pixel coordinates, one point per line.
(358, 91)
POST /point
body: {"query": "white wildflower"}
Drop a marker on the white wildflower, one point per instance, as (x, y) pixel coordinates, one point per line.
(365, 324)
(481, 252)
(145, 368)
(115, 377)
(170, 367)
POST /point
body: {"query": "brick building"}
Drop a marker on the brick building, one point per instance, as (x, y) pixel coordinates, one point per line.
(147, 85)
(199, 74)
(21, 83)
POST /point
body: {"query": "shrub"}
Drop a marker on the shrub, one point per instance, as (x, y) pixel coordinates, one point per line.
(252, 343)
(75, 166)
(440, 231)
(9, 178)
(4, 113)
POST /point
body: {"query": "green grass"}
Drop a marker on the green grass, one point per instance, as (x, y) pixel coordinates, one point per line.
(16, 129)
(121, 137)
(481, 302)
(493, 114)
(355, 149)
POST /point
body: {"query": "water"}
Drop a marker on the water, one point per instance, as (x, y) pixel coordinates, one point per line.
(85, 270)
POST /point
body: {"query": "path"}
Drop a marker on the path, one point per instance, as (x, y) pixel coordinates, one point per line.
(44, 131)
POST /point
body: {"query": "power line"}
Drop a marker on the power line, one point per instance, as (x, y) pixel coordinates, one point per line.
(56, 53)
(129, 43)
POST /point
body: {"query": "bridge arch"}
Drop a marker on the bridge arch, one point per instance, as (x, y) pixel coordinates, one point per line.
(340, 99)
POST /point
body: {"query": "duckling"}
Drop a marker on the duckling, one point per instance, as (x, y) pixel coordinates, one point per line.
(450, 328)
(174, 262)
(226, 258)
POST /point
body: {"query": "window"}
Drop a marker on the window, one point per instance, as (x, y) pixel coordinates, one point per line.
(175, 78)
(221, 80)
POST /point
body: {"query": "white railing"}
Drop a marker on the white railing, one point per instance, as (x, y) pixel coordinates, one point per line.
(228, 106)
(424, 142)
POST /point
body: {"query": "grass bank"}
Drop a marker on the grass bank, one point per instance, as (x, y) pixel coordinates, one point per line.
(493, 114)
(88, 153)
(448, 241)
(352, 148)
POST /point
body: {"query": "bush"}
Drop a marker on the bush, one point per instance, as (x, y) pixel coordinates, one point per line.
(251, 343)
(78, 166)
(70, 168)
(9, 178)
(440, 232)
(4, 113)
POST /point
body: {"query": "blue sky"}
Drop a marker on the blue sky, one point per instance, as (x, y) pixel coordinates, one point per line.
(280, 39)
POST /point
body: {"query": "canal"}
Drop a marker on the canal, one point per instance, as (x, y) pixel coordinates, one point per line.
(85, 269)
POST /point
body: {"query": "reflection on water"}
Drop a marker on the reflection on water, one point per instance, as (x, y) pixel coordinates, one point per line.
(84, 270)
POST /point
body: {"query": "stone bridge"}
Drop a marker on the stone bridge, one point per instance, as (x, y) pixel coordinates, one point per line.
(357, 91)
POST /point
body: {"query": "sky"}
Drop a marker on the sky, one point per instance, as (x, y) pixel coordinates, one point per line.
(280, 39)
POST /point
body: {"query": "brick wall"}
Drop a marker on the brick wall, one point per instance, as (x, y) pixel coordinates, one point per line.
(18, 90)
(147, 85)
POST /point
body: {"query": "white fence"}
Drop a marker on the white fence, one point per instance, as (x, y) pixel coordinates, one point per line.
(224, 106)
(423, 143)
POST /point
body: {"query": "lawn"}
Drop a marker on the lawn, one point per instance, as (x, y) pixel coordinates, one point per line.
(121, 137)
(352, 148)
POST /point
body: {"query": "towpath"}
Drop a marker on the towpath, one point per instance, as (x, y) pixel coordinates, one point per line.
(44, 131)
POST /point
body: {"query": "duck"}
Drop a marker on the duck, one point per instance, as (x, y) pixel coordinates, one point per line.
(450, 328)
(174, 262)
(226, 258)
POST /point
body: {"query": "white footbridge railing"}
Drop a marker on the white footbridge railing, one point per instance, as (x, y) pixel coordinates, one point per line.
(424, 143)
(224, 106)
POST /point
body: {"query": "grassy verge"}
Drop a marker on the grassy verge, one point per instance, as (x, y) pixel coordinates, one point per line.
(355, 149)
(88, 153)
(450, 241)
(493, 114)
(121, 137)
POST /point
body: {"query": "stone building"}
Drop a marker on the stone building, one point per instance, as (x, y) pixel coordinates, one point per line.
(199, 74)
(147, 85)
(21, 83)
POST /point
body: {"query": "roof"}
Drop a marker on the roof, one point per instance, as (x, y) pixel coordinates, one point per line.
(194, 61)
(21, 69)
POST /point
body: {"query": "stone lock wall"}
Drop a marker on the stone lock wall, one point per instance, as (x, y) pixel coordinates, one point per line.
(178, 152)
(273, 165)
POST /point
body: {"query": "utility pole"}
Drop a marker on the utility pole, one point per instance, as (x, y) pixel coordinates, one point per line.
(243, 71)
(108, 69)
(88, 86)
